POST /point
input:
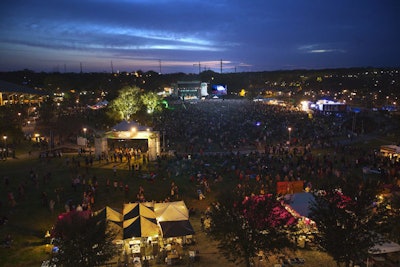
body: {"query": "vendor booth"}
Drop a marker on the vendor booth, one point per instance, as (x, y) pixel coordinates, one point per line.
(173, 218)
(151, 231)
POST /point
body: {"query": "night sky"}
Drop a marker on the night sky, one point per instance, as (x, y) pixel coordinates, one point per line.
(179, 35)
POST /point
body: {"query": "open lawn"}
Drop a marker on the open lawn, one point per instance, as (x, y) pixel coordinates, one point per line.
(31, 217)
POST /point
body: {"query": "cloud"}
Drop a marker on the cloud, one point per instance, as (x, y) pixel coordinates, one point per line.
(320, 48)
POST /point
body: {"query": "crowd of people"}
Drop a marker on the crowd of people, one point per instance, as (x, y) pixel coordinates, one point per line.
(218, 140)
(249, 140)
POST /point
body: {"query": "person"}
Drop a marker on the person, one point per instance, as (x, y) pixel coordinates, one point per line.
(11, 199)
(3, 220)
(115, 170)
(200, 194)
(51, 205)
(7, 241)
(202, 219)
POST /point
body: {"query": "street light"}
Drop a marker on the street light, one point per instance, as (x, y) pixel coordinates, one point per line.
(5, 147)
(289, 130)
(84, 132)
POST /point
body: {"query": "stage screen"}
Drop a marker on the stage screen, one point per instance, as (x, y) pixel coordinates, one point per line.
(219, 89)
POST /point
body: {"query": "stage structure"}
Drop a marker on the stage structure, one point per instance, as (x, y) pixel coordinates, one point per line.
(190, 90)
(126, 130)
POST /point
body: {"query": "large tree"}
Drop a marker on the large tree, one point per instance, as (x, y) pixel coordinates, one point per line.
(246, 226)
(346, 220)
(127, 103)
(152, 101)
(83, 240)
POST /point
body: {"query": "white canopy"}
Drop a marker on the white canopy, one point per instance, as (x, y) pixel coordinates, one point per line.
(384, 248)
(171, 211)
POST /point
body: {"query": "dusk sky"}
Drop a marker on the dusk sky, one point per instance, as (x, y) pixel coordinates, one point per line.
(178, 35)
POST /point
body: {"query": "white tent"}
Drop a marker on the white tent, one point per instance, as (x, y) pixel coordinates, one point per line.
(173, 218)
(384, 248)
(171, 211)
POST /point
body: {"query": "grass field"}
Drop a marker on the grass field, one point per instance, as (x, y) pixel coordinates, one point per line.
(30, 218)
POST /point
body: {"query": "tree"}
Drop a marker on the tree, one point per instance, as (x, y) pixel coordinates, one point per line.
(83, 240)
(346, 223)
(151, 100)
(47, 111)
(246, 226)
(127, 103)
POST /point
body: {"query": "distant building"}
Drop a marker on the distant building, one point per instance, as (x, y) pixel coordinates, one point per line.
(330, 107)
(11, 93)
(391, 151)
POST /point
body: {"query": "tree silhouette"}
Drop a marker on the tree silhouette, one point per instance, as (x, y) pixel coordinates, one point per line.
(246, 226)
(83, 240)
(346, 222)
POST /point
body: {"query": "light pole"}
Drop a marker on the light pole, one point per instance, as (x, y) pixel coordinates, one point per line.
(84, 132)
(5, 146)
(289, 130)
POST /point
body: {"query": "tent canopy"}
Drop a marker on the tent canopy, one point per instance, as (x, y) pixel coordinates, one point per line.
(384, 248)
(173, 218)
(110, 214)
(301, 202)
(176, 228)
(113, 218)
(139, 220)
(171, 211)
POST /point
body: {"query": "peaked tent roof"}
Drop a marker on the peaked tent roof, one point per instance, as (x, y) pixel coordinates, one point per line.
(110, 214)
(173, 218)
(113, 219)
(139, 220)
(171, 211)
